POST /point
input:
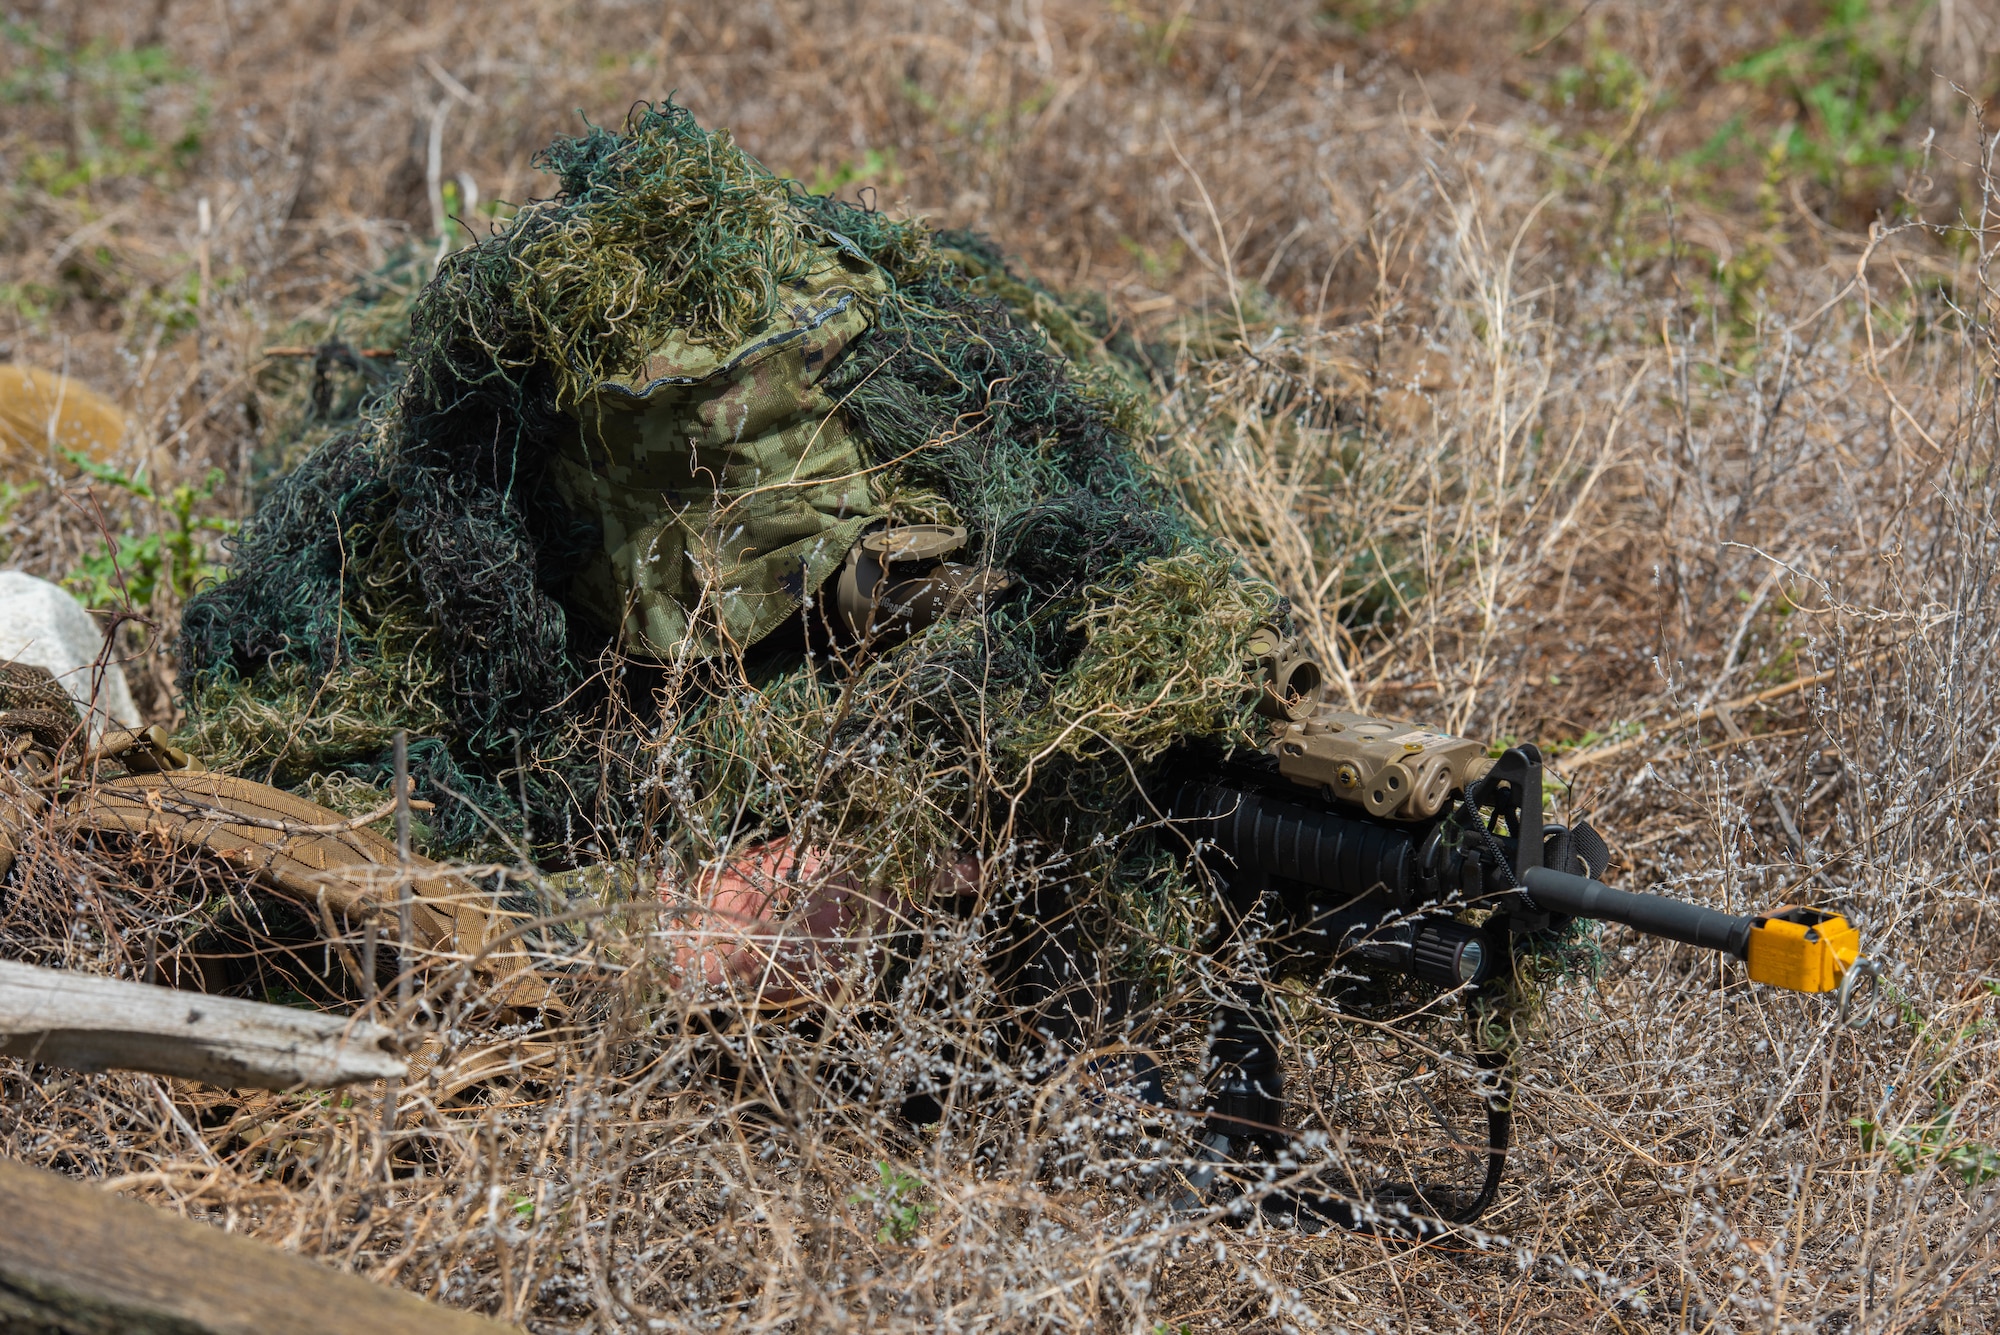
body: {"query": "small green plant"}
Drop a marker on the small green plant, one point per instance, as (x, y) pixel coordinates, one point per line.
(11, 496)
(29, 302)
(336, 1105)
(874, 166)
(521, 1206)
(1379, 585)
(284, 994)
(173, 307)
(1605, 80)
(173, 558)
(1931, 1142)
(115, 93)
(1358, 18)
(1617, 732)
(1155, 37)
(895, 1202)
(1848, 97)
(1158, 266)
(457, 230)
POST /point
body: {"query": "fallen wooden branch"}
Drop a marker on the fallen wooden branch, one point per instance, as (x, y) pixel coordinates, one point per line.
(74, 1259)
(294, 351)
(89, 1023)
(1578, 759)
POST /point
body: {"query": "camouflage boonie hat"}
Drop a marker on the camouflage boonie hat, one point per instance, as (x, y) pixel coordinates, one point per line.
(728, 486)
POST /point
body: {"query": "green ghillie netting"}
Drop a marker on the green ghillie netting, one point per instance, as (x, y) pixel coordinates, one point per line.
(413, 571)
(337, 364)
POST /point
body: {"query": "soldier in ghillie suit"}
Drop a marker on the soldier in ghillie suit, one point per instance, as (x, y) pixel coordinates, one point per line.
(639, 434)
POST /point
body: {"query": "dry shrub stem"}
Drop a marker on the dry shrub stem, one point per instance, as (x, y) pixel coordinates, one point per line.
(1523, 469)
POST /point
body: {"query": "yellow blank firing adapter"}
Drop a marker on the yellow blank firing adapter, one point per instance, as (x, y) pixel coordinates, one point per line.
(1805, 950)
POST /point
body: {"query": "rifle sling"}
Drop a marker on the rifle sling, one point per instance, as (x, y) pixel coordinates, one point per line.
(354, 870)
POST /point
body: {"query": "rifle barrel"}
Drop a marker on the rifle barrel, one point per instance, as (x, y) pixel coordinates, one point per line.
(1655, 915)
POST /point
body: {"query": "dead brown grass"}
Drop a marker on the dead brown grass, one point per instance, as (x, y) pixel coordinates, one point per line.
(1607, 442)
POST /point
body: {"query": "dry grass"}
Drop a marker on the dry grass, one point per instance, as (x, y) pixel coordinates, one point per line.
(1599, 434)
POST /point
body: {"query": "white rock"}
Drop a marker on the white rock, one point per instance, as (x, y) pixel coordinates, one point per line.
(43, 626)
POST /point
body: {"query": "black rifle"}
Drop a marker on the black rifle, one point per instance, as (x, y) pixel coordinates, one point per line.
(1405, 850)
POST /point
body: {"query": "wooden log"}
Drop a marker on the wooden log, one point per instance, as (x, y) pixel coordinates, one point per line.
(89, 1023)
(78, 1261)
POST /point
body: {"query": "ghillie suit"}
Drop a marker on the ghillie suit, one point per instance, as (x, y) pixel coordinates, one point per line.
(638, 432)
(578, 554)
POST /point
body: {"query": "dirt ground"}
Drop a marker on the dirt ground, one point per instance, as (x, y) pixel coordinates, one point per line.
(1614, 375)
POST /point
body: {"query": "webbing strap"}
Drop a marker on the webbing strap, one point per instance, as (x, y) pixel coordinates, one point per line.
(306, 853)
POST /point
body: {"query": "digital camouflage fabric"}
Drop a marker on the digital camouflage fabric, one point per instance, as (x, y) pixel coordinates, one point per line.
(632, 432)
(726, 485)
